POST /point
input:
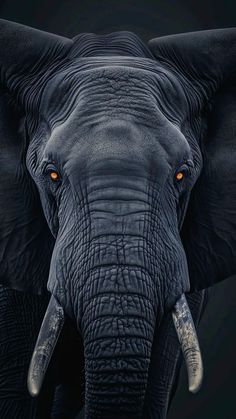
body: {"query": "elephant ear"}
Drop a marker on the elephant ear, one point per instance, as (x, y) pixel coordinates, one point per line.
(206, 61)
(25, 54)
(25, 241)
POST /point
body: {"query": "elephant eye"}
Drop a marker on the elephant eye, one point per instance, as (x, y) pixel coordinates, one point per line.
(51, 175)
(179, 176)
(54, 175)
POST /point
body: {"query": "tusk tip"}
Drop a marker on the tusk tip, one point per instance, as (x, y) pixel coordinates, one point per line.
(194, 388)
(195, 385)
(33, 388)
(35, 378)
(186, 332)
(47, 339)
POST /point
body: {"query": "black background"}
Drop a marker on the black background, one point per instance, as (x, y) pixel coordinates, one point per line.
(150, 18)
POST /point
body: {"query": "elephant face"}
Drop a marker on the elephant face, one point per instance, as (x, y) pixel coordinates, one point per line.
(109, 183)
(113, 200)
(113, 142)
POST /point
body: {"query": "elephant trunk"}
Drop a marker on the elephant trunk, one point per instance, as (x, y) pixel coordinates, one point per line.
(118, 330)
(120, 269)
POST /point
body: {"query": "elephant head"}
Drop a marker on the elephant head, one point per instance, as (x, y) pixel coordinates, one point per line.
(118, 196)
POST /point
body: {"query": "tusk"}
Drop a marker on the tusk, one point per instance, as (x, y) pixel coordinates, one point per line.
(49, 333)
(187, 336)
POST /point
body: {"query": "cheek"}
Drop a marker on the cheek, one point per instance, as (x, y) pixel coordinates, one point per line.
(50, 210)
(182, 207)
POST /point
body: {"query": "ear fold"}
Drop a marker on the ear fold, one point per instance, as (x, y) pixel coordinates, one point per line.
(25, 52)
(207, 60)
(209, 231)
(25, 241)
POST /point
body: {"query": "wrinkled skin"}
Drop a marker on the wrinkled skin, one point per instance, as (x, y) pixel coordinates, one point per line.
(117, 224)
(102, 142)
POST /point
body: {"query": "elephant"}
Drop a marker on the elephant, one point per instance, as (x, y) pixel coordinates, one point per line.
(118, 213)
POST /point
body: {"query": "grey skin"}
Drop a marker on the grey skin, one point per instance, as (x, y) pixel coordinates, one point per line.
(94, 132)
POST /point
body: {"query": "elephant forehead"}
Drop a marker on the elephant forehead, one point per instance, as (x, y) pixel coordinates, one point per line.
(115, 115)
(117, 146)
(99, 93)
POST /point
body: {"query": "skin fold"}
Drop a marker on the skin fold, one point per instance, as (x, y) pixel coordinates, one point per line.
(108, 154)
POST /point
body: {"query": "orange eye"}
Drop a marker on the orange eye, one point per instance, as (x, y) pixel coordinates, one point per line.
(54, 176)
(179, 176)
